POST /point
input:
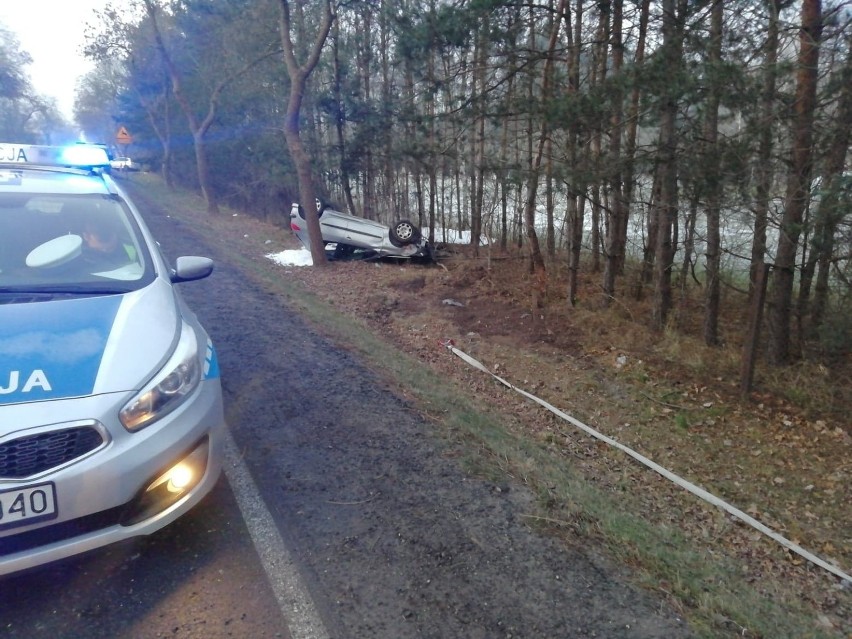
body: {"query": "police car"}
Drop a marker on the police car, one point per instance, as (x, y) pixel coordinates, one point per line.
(111, 419)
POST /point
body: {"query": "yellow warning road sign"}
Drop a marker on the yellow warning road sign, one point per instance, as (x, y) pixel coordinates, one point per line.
(123, 137)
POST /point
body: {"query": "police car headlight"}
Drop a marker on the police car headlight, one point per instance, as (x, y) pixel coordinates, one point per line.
(169, 388)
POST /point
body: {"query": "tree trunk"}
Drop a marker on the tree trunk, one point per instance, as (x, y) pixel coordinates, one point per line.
(633, 113)
(478, 142)
(298, 80)
(576, 191)
(798, 183)
(688, 243)
(649, 249)
(432, 168)
(399, 196)
(616, 239)
(576, 204)
(162, 131)
(595, 239)
(599, 71)
(713, 179)
(763, 167)
(536, 261)
(667, 206)
(340, 123)
(831, 210)
(550, 237)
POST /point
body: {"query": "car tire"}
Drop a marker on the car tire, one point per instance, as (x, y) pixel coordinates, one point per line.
(320, 211)
(404, 232)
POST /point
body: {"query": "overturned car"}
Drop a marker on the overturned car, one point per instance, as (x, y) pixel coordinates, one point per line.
(346, 235)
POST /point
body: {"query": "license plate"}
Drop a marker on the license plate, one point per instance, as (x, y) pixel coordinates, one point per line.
(22, 506)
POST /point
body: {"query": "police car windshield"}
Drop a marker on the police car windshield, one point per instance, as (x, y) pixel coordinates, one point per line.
(69, 243)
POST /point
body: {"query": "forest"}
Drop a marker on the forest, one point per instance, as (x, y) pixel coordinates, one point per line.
(661, 146)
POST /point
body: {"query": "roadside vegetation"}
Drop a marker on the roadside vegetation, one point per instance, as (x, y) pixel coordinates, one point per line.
(781, 456)
(665, 193)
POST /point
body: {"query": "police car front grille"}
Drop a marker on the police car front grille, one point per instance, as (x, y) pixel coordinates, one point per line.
(38, 453)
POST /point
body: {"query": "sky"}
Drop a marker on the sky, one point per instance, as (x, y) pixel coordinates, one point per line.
(51, 31)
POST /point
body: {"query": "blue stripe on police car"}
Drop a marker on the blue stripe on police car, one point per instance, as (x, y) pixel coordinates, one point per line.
(53, 350)
(211, 362)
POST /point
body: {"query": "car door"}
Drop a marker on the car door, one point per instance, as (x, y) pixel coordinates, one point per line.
(364, 233)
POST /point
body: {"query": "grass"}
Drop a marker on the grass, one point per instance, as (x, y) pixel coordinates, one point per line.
(706, 585)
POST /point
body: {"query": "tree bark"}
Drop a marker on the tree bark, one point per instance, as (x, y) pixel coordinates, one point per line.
(633, 112)
(478, 147)
(340, 123)
(830, 211)
(536, 260)
(299, 75)
(713, 179)
(667, 205)
(576, 190)
(798, 183)
(599, 71)
(616, 239)
(763, 167)
(688, 243)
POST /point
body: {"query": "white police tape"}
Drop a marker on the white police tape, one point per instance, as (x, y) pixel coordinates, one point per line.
(695, 490)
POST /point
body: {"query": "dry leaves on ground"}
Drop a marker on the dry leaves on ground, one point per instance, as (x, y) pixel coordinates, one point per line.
(668, 397)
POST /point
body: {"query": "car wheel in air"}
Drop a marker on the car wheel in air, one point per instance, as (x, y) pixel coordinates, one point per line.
(404, 232)
(320, 211)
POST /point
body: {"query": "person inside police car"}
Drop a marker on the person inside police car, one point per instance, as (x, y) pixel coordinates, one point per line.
(102, 245)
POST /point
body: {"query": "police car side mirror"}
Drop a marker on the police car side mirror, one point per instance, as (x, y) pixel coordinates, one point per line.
(191, 267)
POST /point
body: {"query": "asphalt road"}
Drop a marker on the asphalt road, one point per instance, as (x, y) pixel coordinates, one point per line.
(201, 577)
(359, 506)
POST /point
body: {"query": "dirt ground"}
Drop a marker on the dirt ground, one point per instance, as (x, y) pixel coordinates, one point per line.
(665, 396)
(393, 535)
(788, 468)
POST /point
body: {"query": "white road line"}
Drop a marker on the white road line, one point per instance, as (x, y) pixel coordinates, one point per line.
(296, 605)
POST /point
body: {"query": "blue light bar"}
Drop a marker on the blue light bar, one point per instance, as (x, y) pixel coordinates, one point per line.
(84, 156)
